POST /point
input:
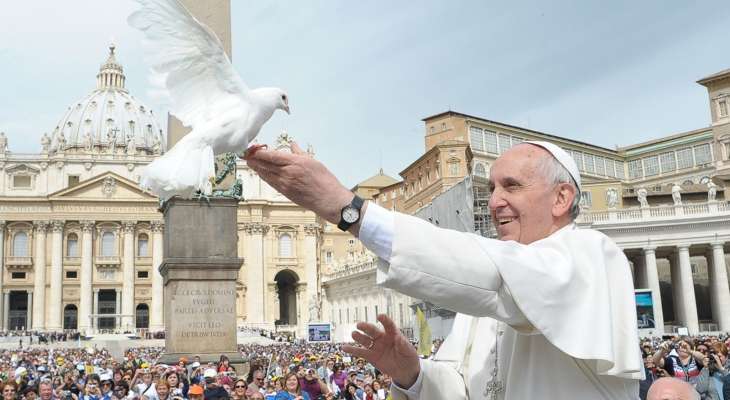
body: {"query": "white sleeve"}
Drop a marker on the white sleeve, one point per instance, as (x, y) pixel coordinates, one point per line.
(376, 230)
(437, 380)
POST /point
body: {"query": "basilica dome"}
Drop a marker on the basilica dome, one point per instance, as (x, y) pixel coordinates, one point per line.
(109, 119)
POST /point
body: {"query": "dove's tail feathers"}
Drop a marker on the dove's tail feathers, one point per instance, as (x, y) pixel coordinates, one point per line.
(189, 166)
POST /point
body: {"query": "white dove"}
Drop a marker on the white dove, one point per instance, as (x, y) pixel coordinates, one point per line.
(205, 93)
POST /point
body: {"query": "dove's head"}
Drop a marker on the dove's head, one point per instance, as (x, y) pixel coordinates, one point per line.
(274, 97)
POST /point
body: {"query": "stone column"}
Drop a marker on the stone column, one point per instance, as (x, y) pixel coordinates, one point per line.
(85, 293)
(39, 270)
(6, 308)
(118, 321)
(3, 300)
(128, 277)
(255, 305)
(156, 312)
(95, 310)
(30, 314)
(56, 293)
(719, 289)
(311, 308)
(652, 282)
(689, 303)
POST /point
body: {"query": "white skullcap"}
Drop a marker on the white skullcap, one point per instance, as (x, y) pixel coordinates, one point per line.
(563, 158)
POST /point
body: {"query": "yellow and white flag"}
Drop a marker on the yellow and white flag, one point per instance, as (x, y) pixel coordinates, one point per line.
(424, 334)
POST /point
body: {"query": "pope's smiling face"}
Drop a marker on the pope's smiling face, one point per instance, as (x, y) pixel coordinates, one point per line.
(524, 206)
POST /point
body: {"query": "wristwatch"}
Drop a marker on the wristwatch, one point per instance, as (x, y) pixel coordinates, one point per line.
(350, 214)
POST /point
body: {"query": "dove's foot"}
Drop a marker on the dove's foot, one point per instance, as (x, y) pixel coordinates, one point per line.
(200, 196)
(251, 150)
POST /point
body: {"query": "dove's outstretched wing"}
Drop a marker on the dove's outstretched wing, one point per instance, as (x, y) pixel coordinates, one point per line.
(189, 58)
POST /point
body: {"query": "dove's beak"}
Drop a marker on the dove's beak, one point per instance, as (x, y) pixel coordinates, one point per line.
(286, 108)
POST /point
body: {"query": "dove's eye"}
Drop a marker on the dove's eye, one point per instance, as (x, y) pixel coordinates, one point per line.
(283, 97)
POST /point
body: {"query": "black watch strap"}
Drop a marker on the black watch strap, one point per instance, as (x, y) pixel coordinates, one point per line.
(356, 203)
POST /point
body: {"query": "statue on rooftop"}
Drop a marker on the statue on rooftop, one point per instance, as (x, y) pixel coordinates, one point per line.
(676, 194)
(711, 190)
(641, 194)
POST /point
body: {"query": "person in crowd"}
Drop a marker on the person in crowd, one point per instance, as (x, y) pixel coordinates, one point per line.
(292, 390)
(213, 389)
(162, 390)
(351, 392)
(107, 385)
(45, 390)
(672, 389)
(713, 380)
(312, 384)
(9, 390)
(196, 392)
(239, 389)
(256, 382)
(30, 393)
(679, 360)
(121, 391)
(91, 391)
(178, 387)
(338, 378)
(223, 363)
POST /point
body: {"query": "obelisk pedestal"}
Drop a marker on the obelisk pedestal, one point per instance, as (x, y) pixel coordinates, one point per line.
(200, 270)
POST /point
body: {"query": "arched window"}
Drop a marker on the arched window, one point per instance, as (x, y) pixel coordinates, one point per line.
(72, 245)
(20, 244)
(142, 249)
(480, 171)
(107, 244)
(285, 245)
(142, 316)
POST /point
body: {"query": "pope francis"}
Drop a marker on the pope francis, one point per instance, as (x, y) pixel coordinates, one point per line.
(546, 311)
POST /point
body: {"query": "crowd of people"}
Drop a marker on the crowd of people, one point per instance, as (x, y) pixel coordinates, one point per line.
(300, 370)
(303, 371)
(700, 361)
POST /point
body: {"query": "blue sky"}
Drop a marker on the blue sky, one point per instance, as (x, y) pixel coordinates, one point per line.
(362, 75)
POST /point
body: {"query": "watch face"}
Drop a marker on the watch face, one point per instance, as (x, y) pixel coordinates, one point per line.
(350, 214)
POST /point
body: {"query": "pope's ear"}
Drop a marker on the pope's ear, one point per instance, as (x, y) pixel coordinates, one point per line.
(564, 199)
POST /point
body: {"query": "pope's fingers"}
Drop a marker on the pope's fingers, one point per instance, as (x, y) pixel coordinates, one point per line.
(388, 324)
(295, 148)
(370, 329)
(271, 156)
(358, 352)
(362, 339)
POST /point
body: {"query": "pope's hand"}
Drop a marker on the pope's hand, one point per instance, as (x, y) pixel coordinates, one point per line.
(301, 179)
(388, 350)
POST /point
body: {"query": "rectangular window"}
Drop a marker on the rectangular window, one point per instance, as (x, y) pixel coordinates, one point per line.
(587, 199)
(600, 166)
(348, 315)
(366, 313)
(516, 140)
(620, 173)
(328, 257)
(400, 314)
(18, 275)
(143, 274)
(684, 158)
(610, 171)
(454, 169)
(490, 142)
(340, 313)
(376, 311)
(504, 143)
(21, 181)
(702, 154)
(651, 166)
(722, 107)
(72, 274)
(476, 138)
(578, 157)
(73, 180)
(589, 163)
(667, 162)
(357, 314)
(636, 171)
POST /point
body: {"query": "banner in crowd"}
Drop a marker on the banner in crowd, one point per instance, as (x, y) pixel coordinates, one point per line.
(424, 334)
(319, 332)
(644, 309)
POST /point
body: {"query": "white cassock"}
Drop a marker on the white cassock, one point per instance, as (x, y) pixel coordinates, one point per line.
(556, 317)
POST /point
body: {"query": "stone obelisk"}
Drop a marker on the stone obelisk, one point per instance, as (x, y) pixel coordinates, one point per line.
(200, 269)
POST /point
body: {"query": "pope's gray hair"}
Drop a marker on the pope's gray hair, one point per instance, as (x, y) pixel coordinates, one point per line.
(555, 173)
